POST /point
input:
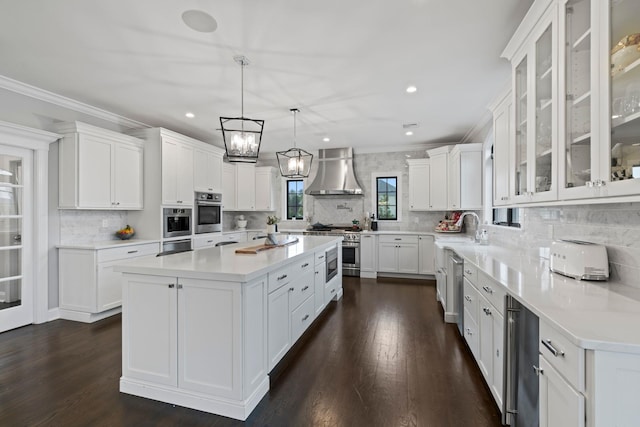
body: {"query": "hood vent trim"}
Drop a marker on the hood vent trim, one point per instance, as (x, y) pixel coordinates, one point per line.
(335, 175)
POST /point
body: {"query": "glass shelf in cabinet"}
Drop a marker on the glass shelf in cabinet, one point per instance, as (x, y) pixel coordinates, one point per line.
(582, 98)
(546, 73)
(583, 42)
(581, 139)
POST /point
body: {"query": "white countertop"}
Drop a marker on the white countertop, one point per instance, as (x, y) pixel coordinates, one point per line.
(595, 315)
(222, 263)
(106, 244)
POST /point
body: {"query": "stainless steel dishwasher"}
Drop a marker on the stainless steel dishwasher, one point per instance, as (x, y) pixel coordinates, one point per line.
(456, 274)
(521, 394)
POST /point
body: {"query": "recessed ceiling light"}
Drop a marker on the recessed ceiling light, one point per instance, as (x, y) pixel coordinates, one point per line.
(200, 21)
(411, 89)
(408, 133)
(190, 115)
(326, 139)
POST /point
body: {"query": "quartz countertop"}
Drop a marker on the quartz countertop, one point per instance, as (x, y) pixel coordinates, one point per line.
(106, 244)
(594, 315)
(222, 262)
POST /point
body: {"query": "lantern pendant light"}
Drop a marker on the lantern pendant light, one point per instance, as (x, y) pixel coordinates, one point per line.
(241, 136)
(295, 162)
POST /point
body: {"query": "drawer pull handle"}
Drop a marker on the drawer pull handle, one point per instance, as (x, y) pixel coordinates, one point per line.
(538, 371)
(209, 241)
(291, 289)
(552, 349)
(306, 264)
(487, 289)
(284, 276)
(333, 291)
(132, 252)
(317, 272)
(468, 271)
(321, 256)
(171, 286)
(469, 332)
(397, 238)
(487, 311)
(305, 288)
(467, 297)
(306, 316)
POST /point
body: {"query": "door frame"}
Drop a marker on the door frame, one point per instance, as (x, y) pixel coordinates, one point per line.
(36, 140)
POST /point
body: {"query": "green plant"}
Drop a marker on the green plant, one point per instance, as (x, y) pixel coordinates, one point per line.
(272, 219)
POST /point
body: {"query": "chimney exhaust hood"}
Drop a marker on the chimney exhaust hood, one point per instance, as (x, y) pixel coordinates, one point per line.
(335, 174)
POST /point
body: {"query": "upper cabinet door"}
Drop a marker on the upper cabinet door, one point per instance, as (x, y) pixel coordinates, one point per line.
(520, 184)
(620, 104)
(128, 176)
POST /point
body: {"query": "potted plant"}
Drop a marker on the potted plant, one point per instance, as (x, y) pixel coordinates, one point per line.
(272, 220)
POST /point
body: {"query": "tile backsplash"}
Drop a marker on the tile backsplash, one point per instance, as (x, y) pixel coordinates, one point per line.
(615, 225)
(79, 226)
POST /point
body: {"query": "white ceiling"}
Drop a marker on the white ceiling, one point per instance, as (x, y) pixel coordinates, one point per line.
(344, 63)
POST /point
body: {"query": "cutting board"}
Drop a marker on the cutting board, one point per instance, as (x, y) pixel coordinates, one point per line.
(263, 247)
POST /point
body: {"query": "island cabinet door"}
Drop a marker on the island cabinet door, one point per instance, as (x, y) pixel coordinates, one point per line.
(279, 334)
(210, 337)
(149, 329)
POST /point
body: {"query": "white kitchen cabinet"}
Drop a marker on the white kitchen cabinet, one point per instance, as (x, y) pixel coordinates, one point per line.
(560, 404)
(368, 255)
(320, 274)
(465, 177)
(279, 325)
(398, 254)
(616, 386)
(99, 169)
(264, 188)
(229, 189)
(207, 170)
(438, 177)
(177, 172)
(194, 336)
(245, 187)
(471, 310)
(248, 188)
(89, 288)
(502, 145)
(419, 184)
(235, 236)
(207, 240)
(426, 254)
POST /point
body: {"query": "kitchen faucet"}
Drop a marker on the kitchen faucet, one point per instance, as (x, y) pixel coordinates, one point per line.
(473, 214)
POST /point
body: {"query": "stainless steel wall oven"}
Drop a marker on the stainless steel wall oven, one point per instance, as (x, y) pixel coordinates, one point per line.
(208, 212)
(331, 263)
(176, 222)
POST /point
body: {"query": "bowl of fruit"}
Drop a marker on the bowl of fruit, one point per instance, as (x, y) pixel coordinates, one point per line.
(125, 233)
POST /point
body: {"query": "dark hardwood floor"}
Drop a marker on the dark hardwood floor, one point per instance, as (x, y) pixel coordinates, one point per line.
(382, 356)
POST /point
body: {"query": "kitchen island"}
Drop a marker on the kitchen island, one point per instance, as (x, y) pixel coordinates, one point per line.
(202, 329)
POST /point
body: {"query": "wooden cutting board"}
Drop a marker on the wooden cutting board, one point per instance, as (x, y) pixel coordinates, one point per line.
(263, 247)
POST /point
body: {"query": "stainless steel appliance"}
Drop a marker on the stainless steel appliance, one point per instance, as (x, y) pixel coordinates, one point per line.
(331, 257)
(175, 246)
(457, 273)
(336, 175)
(350, 246)
(176, 222)
(521, 395)
(208, 212)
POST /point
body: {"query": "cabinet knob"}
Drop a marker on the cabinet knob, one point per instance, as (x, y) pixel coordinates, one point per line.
(333, 291)
(538, 371)
(171, 286)
(291, 289)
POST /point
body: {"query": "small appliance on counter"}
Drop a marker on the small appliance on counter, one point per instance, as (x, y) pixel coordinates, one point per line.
(579, 260)
(241, 223)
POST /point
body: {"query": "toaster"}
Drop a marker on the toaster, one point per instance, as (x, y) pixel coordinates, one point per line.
(579, 260)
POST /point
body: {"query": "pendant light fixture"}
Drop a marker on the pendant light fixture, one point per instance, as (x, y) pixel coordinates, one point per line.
(242, 136)
(294, 163)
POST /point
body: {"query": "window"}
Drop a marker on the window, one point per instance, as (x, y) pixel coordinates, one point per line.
(509, 217)
(295, 193)
(387, 198)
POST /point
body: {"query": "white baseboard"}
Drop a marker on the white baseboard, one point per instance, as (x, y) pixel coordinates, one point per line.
(451, 317)
(368, 274)
(53, 314)
(81, 316)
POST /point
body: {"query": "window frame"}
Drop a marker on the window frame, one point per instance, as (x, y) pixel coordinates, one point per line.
(287, 206)
(285, 199)
(510, 222)
(399, 187)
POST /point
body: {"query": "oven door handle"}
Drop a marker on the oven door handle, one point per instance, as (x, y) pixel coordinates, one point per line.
(201, 203)
(350, 244)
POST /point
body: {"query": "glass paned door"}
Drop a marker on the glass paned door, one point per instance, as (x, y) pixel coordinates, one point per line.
(544, 106)
(16, 305)
(625, 90)
(578, 94)
(521, 128)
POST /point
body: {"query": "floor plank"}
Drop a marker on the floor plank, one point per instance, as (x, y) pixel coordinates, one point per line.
(382, 356)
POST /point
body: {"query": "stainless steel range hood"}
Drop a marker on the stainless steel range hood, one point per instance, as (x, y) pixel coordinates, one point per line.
(335, 174)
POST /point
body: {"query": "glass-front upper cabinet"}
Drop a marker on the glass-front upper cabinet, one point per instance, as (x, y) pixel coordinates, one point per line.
(622, 130)
(535, 104)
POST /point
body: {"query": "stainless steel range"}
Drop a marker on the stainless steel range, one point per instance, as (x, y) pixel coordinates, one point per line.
(350, 246)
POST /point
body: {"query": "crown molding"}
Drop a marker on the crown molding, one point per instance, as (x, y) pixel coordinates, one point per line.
(64, 102)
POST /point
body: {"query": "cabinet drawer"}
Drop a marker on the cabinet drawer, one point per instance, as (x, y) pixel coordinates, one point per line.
(492, 291)
(330, 291)
(125, 252)
(470, 298)
(280, 277)
(471, 272)
(471, 334)
(301, 318)
(320, 257)
(394, 238)
(566, 357)
(303, 266)
(301, 288)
